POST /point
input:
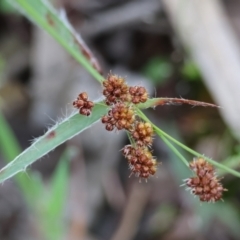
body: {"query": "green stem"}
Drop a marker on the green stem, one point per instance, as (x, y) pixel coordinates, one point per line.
(162, 133)
(130, 138)
(184, 160)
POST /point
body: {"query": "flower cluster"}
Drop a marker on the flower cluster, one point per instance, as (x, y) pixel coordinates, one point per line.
(138, 94)
(143, 134)
(141, 161)
(122, 100)
(83, 104)
(205, 185)
(115, 90)
(120, 116)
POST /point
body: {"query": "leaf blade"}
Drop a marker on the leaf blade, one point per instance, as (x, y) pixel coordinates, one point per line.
(61, 132)
(42, 13)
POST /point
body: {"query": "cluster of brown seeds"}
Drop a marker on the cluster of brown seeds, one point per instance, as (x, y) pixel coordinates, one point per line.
(205, 185)
(141, 161)
(83, 104)
(115, 90)
(122, 99)
(120, 116)
(143, 134)
(138, 94)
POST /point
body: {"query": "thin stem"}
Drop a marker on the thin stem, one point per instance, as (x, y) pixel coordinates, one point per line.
(232, 162)
(162, 133)
(184, 160)
(130, 138)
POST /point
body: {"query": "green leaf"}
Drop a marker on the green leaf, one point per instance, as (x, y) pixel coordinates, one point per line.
(10, 149)
(5, 7)
(56, 24)
(59, 185)
(8, 143)
(66, 129)
(53, 203)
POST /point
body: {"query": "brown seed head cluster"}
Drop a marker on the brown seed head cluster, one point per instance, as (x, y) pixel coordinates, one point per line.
(120, 116)
(83, 104)
(141, 161)
(138, 94)
(115, 89)
(143, 134)
(122, 99)
(205, 185)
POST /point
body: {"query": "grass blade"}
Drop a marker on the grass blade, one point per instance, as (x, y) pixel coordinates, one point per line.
(68, 128)
(52, 211)
(56, 24)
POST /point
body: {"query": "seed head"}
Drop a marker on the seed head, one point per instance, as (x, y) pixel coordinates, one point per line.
(143, 134)
(139, 94)
(141, 161)
(115, 89)
(205, 185)
(82, 103)
(120, 116)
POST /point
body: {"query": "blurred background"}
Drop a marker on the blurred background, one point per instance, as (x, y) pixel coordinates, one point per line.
(82, 190)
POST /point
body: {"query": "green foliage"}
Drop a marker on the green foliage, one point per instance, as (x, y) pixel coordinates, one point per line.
(158, 70)
(190, 71)
(5, 7)
(56, 24)
(10, 149)
(61, 132)
(49, 203)
(50, 206)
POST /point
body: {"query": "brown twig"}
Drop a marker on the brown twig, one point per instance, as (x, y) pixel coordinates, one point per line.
(154, 102)
(179, 101)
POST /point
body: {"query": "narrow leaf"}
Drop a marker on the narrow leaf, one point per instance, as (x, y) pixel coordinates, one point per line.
(68, 128)
(57, 25)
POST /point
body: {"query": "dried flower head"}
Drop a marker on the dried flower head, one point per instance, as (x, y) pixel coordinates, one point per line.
(139, 94)
(121, 99)
(141, 161)
(82, 103)
(115, 89)
(143, 133)
(205, 185)
(120, 116)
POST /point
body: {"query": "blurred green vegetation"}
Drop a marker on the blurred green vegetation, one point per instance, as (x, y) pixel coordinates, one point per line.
(6, 8)
(158, 70)
(47, 202)
(190, 71)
